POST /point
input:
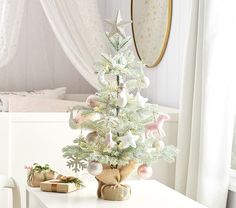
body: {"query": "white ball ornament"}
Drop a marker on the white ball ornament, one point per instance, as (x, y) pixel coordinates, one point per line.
(94, 168)
(144, 171)
(145, 82)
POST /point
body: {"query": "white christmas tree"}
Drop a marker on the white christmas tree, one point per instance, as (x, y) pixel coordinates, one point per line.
(117, 125)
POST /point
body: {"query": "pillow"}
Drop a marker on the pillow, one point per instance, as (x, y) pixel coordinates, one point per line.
(37, 104)
(58, 93)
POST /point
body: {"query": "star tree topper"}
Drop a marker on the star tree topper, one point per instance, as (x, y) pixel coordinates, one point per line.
(117, 25)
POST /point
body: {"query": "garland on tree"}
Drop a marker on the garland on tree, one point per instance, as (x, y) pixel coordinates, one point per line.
(121, 125)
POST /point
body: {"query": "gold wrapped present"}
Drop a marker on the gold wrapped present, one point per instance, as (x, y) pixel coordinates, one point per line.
(62, 185)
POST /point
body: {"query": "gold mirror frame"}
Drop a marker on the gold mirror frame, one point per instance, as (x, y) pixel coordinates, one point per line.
(165, 40)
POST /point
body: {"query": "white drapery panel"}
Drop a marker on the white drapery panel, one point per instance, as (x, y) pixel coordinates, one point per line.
(207, 103)
(79, 29)
(11, 13)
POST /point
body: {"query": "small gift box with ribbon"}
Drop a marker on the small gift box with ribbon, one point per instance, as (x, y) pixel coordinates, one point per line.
(62, 184)
(38, 174)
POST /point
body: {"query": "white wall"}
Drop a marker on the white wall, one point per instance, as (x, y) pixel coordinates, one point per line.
(166, 77)
(41, 63)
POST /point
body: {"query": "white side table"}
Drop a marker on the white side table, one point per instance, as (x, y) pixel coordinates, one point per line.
(145, 194)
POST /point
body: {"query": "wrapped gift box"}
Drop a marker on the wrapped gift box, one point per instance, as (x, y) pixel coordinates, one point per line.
(58, 186)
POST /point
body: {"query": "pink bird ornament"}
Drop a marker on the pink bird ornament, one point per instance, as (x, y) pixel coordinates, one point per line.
(157, 126)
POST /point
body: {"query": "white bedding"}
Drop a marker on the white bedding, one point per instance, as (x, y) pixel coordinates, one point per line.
(6, 102)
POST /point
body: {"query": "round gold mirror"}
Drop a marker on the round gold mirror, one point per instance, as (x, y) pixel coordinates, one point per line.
(151, 22)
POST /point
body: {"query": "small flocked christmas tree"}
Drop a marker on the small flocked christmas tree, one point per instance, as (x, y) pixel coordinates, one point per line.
(117, 126)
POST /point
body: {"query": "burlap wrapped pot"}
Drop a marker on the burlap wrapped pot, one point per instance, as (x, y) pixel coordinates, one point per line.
(109, 182)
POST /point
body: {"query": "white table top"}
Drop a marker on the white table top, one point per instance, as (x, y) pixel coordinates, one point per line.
(148, 193)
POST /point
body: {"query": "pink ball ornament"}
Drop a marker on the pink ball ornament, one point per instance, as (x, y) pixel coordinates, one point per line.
(94, 168)
(92, 101)
(144, 171)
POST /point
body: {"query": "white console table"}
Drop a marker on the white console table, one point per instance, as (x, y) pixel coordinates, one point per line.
(149, 193)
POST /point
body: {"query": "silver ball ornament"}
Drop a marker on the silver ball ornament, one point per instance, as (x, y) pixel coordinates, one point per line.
(94, 168)
(144, 171)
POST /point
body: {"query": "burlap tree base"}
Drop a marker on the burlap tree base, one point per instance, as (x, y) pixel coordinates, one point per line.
(109, 183)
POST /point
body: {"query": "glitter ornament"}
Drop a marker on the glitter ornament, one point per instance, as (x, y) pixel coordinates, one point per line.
(144, 171)
(94, 168)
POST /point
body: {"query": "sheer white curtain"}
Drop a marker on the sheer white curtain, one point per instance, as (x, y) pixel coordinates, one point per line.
(11, 13)
(207, 103)
(79, 29)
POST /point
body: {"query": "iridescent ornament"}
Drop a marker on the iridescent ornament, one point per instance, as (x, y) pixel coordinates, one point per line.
(144, 171)
(92, 136)
(94, 168)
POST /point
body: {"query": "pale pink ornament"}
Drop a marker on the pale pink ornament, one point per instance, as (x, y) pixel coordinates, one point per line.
(92, 136)
(92, 101)
(157, 126)
(109, 141)
(94, 168)
(144, 171)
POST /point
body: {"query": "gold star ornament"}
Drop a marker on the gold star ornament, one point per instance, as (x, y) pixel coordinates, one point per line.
(117, 25)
